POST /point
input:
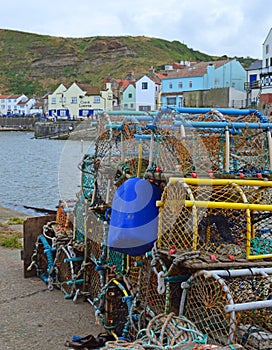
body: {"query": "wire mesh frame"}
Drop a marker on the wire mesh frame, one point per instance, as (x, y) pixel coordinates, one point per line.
(194, 211)
(247, 149)
(222, 302)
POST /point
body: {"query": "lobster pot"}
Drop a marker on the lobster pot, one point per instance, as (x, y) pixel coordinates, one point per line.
(154, 294)
(107, 157)
(94, 280)
(172, 154)
(95, 233)
(261, 240)
(65, 217)
(231, 306)
(206, 150)
(80, 210)
(188, 228)
(249, 152)
(226, 219)
(88, 176)
(226, 150)
(144, 283)
(118, 261)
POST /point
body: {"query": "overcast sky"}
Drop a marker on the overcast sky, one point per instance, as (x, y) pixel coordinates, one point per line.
(215, 27)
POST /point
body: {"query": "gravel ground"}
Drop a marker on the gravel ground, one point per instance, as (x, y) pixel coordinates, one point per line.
(32, 317)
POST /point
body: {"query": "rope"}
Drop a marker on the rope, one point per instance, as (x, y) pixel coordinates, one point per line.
(163, 332)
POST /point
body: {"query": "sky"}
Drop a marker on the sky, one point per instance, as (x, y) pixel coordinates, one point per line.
(215, 27)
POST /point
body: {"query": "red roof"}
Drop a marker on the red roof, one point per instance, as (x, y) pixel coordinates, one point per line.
(14, 97)
(22, 102)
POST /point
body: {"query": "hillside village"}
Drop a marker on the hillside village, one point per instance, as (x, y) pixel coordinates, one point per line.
(221, 83)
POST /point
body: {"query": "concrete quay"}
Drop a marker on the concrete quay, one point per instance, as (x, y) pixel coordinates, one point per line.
(32, 317)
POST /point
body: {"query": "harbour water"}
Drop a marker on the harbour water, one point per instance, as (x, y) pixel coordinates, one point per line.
(38, 172)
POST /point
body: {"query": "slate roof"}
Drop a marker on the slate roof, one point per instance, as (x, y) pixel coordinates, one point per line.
(90, 90)
(255, 65)
(196, 70)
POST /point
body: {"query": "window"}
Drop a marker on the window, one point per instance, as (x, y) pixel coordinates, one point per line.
(60, 100)
(267, 49)
(266, 62)
(233, 84)
(53, 100)
(270, 61)
(74, 100)
(171, 101)
(131, 105)
(180, 84)
(125, 105)
(145, 108)
(130, 95)
(190, 83)
(170, 85)
(96, 99)
(2, 106)
(144, 86)
(85, 112)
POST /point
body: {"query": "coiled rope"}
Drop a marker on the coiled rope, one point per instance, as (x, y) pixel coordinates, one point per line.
(163, 332)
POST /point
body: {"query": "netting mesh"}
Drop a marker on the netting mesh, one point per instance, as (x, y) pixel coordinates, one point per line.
(185, 225)
(65, 214)
(207, 296)
(94, 280)
(96, 236)
(249, 153)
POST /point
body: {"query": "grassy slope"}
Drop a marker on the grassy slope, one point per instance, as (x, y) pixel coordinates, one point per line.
(32, 63)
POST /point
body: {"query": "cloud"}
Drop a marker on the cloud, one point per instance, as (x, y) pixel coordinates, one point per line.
(216, 27)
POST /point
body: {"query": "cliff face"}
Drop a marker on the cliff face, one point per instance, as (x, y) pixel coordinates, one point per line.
(32, 63)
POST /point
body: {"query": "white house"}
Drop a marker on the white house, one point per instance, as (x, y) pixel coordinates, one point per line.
(147, 93)
(3, 104)
(9, 104)
(266, 71)
(24, 106)
(252, 85)
(78, 100)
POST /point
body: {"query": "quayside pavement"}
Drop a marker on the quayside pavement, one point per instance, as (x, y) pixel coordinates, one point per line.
(31, 316)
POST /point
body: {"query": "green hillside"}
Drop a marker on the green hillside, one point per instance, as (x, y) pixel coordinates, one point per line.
(32, 63)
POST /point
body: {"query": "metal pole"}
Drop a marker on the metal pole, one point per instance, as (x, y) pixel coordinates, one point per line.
(249, 306)
(222, 182)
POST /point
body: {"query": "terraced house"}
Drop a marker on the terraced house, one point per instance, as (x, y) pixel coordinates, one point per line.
(15, 104)
(78, 101)
(209, 84)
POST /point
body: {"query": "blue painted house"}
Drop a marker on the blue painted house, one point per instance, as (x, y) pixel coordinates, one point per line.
(128, 97)
(201, 76)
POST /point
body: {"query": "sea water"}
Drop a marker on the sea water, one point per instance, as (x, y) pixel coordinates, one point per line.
(38, 172)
